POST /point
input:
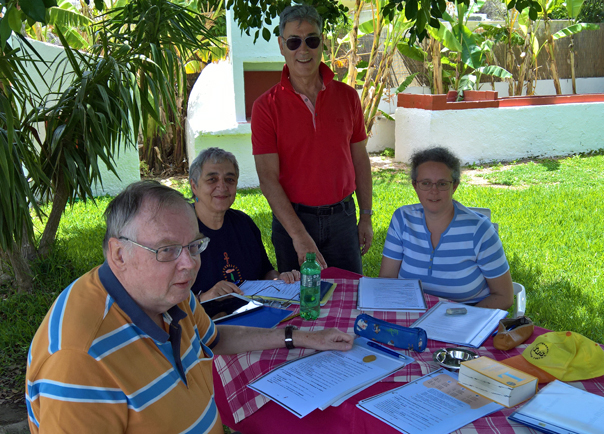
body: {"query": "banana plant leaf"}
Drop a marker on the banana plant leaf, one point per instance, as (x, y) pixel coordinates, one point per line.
(574, 29)
(495, 71)
(445, 37)
(67, 15)
(405, 83)
(471, 54)
(411, 52)
(573, 8)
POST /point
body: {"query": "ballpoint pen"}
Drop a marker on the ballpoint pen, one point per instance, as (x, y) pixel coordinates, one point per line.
(292, 316)
(386, 350)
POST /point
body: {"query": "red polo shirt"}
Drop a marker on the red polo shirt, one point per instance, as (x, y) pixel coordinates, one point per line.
(315, 162)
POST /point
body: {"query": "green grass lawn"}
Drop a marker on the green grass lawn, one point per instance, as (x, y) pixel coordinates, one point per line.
(550, 222)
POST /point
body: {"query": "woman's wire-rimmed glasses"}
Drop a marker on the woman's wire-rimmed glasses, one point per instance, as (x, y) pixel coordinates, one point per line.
(426, 185)
(171, 253)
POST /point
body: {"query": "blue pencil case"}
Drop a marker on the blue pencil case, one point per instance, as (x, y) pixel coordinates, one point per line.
(406, 338)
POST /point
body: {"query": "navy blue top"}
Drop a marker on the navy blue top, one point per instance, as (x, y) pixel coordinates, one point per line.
(235, 252)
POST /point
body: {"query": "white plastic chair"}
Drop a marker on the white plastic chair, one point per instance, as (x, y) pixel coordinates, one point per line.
(519, 291)
(487, 213)
(520, 305)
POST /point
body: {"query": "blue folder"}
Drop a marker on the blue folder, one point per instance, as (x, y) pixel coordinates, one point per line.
(266, 317)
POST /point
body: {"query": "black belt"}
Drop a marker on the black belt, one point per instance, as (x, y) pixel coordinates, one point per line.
(344, 205)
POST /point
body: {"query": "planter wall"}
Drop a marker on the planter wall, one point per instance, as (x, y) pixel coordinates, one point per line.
(479, 95)
(505, 129)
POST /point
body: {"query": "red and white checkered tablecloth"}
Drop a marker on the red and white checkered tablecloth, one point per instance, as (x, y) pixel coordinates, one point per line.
(237, 371)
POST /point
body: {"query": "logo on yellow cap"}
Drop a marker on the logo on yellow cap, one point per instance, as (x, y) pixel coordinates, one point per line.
(539, 351)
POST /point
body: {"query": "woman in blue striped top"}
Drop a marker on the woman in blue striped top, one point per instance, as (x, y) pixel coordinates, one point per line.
(455, 252)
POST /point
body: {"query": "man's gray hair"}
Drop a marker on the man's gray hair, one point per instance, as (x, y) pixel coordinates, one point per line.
(300, 13)
(437, 154)
(213, 155)
(122, 210)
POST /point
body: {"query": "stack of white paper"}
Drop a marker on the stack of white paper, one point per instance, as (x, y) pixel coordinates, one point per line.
(329, 377)
(471, 329)
(382, 294)
(433, 404)
(562, 408)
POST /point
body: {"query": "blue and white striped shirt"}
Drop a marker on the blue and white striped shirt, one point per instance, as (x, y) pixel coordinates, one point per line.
(469, 251)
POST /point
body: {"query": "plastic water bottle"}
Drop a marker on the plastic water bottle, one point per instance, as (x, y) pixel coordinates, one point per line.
(310, 288)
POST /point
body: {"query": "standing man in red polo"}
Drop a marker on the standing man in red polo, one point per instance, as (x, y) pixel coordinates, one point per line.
(309, 144)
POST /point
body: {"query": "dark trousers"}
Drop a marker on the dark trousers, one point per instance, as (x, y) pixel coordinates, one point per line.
(335, 235)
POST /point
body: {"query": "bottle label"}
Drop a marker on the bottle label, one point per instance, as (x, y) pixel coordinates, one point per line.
(310, 280)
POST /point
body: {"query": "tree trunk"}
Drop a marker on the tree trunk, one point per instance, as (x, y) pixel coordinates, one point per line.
(437, 68)
(373, 109)
(354, 36)
(165, 152)
(178, 134)
(372, 96)
(572, 63)
(549, 48)
(509, 63)
(377, 31)
(23, 275)
(509, 57)
(379, 82)
(59, 203)
(529, 81)
(527, 50)
(457, 63)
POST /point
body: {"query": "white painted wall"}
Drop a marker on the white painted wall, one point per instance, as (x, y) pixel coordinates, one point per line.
(247, 56)
(212, 120)
(382, 134)
(127, 162)
(502, 134)
(216, 111)
(483, 135)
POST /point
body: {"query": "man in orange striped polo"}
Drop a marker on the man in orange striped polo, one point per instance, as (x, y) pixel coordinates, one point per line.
(126, 348)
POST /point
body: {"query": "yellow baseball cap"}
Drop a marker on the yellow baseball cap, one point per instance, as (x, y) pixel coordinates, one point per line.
(567, 356)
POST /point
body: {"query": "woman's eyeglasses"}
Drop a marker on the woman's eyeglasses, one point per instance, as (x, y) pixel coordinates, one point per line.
(427, 185)
(294, 42)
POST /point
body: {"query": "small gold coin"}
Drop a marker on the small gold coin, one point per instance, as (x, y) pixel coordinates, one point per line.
(369, 358)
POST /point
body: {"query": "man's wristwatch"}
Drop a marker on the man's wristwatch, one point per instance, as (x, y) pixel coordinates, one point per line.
(289, 340)
(366, 211)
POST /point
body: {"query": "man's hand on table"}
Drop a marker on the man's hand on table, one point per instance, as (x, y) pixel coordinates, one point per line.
(365, 233)
(305, 244)
(328, 339)
(290, 276)
(239, 339)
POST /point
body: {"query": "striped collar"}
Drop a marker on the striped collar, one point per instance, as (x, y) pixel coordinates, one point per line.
(117, 291)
